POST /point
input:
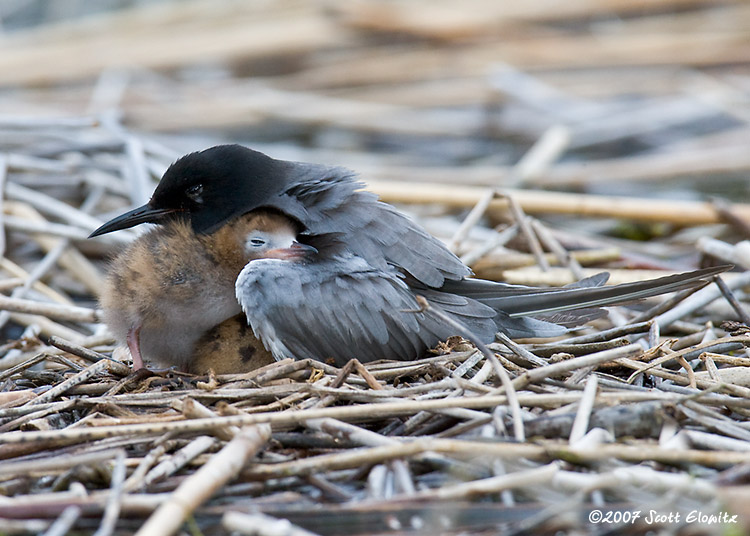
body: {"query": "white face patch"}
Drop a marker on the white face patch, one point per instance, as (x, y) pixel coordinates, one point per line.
(257, 242)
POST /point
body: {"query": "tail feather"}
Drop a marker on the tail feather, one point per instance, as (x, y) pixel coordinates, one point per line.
(565, 299)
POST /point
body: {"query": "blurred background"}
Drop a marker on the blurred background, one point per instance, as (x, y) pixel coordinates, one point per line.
(627, 92)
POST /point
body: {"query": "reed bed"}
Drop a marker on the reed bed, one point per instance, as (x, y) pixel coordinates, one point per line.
(515, 134)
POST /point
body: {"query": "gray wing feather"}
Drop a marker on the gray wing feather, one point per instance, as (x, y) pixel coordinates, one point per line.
(362, 313)
(330, 201)
(518, 300)
(584, 298)
(359, 312)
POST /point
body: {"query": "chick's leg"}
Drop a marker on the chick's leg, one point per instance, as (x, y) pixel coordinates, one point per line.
(135, 347)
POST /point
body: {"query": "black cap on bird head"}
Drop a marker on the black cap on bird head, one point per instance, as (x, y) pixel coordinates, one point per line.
(208, 188)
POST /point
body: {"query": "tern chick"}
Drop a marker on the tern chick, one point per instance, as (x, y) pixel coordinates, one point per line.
(171, 286)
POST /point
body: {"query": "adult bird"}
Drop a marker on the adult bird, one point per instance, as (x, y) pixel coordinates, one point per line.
(211, 188)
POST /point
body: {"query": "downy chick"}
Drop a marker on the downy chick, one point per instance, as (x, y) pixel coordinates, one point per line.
(171, 286)
(229, 348)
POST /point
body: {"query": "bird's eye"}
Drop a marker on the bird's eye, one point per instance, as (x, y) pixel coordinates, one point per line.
(257, 242)
(195, 192)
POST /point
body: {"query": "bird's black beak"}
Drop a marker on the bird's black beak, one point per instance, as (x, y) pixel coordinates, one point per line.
(294, 252)
(144, 214)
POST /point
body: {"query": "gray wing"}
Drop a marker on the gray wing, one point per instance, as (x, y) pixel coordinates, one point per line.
(346, 309)
(517, 300)
(330, 201)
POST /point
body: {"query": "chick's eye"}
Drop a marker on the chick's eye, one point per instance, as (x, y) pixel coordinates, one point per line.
(257, 242)
(195, 192)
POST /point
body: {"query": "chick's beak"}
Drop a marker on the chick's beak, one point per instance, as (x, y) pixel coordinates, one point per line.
(296, 251)
(144, 214)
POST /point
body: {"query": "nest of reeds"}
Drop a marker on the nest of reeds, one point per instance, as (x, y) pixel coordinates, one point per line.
(636, 423)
